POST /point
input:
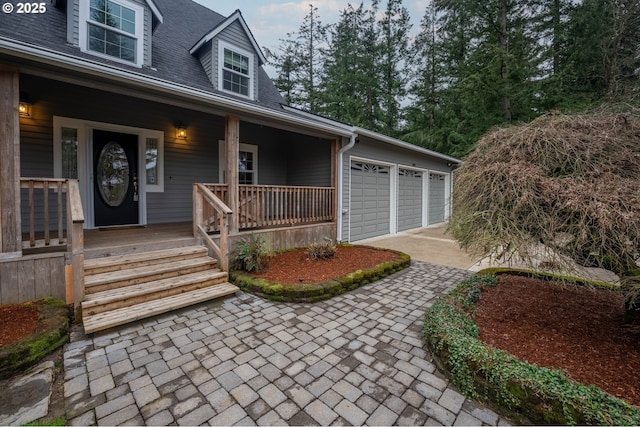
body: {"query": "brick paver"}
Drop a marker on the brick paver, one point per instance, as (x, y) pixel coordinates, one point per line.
(357, 358)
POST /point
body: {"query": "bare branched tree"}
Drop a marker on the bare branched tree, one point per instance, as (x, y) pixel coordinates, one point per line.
(567, 185)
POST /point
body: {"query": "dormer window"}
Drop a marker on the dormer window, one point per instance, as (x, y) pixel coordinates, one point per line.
(112, 28)
(236, 70)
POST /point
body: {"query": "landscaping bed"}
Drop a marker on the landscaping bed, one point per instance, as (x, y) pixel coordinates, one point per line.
(30, 331)
(294, 277)
(542, 322)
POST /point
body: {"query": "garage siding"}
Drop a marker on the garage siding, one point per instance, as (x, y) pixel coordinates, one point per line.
(370, 200)
(436, 198)
(409, 199)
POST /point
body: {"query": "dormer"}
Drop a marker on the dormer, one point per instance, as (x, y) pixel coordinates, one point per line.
(118, 30)
(231, 57)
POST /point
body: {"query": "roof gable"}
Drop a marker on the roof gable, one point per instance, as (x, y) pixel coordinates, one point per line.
(234, 17)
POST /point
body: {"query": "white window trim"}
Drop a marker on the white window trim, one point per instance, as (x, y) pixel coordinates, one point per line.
(85, 163)
(222, 162)
(222, 45)
(83, 33)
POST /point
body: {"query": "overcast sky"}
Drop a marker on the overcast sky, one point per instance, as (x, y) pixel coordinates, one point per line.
(271, 20)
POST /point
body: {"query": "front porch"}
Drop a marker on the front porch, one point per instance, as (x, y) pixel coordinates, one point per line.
(112, 274)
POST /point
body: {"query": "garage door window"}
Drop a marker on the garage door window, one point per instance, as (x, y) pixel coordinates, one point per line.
(410, 173)
(369, 167)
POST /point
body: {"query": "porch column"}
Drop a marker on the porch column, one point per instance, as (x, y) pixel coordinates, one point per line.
(10, 222)
(232, 143)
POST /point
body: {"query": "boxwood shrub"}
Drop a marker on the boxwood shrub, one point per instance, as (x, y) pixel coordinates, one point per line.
(526, 392)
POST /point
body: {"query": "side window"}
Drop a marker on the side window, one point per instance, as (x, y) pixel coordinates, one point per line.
(247, 163)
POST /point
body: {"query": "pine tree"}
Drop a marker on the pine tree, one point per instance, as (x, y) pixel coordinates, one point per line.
(394, 59)
(299, 60)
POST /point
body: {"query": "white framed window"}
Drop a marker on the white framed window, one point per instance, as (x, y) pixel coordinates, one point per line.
(113, 29)
(247, 163)
(235, 70)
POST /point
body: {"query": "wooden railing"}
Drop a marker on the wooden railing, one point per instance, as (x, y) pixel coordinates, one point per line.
(48, 208)
(41, 193)
(210, 214)
(276, 205)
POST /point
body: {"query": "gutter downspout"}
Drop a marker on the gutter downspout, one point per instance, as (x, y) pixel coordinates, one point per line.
(341, 212)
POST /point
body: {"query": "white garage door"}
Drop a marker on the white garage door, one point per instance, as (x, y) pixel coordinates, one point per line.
(409, 199)
(370, 207)
(436, 198)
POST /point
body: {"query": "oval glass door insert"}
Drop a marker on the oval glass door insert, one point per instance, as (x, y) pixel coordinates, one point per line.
(112, 173)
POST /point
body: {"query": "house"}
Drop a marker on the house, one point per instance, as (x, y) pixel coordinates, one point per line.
(136, 131)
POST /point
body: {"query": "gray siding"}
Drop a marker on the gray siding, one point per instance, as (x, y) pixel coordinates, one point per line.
(73, 19)
(205, 55)
(284, 157)
(235, 36)
(186, 162)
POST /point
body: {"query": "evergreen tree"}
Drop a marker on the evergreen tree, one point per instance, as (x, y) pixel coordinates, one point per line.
(299, 60)
(349, 85)
(393, 64)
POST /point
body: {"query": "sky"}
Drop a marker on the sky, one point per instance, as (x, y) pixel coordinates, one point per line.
(271, 20)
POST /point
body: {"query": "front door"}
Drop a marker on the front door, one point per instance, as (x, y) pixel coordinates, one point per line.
(115, 171)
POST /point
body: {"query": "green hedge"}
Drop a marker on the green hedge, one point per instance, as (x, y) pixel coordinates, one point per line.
(528, 393)
(317, 291)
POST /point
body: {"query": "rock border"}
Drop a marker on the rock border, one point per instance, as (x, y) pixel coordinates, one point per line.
(528, 393)
(315, 292)
(52, 333)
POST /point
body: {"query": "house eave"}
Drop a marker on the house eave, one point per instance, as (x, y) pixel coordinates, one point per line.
(49, 57)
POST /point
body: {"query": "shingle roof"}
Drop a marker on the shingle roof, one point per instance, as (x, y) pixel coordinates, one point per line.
(185, 22)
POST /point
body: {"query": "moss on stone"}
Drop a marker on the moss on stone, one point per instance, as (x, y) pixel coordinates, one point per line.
(51, 333)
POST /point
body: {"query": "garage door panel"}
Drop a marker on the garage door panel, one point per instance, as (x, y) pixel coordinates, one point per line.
(370, 192)
(436, 198)
(409, 199)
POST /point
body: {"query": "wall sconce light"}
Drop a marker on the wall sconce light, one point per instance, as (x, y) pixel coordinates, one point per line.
(181, 131)
(24, 108)
(449, 164)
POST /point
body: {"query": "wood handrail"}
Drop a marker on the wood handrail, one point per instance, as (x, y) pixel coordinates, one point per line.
(218, 220)
(213, 199)
(77, 214)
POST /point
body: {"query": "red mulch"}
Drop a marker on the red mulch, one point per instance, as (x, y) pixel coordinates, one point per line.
(577, 330)
(16, 322)
(295, 267)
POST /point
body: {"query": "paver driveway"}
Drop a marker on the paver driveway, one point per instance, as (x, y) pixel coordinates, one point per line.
(356, 359)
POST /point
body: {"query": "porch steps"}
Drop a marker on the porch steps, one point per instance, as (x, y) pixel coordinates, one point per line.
(124, 288)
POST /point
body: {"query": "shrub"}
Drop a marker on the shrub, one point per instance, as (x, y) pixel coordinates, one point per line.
(324, 250)
(249, 254)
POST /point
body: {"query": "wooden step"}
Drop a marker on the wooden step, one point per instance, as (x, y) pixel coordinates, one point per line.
(121, 262)
(135, 312)
(112, 299)
(133, 276)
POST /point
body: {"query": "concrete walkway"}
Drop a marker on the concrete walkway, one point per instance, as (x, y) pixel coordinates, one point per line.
(356, 359)
(431, 244)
